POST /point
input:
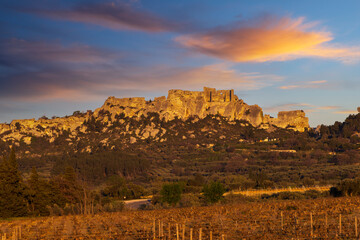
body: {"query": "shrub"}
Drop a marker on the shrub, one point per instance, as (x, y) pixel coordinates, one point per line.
(189, 200)
(213, 192)
(347, 187)
(171, 193)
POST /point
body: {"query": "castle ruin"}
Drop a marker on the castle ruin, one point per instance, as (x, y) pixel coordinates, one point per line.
(213, 95)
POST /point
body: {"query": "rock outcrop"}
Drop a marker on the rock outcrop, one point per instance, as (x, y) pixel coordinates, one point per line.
(178, 104)
(24, 129)
(184, 104)
(295, 120)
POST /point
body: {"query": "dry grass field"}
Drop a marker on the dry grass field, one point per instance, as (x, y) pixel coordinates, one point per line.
(259, 192)
(326, 218)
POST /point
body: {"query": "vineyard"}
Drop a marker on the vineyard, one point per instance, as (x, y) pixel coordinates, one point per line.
(327, 218)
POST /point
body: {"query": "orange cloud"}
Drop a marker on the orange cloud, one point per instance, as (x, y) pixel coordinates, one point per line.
(311, 84)
(328, 107)
(267, 39)
(347, 112)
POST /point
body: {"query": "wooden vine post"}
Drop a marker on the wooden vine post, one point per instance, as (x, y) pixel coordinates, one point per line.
(154, 228)
(340, 224)
(169, 231)
(159, 228)
(183, 232)
(311, 225)
(356, 230)
(177, 231)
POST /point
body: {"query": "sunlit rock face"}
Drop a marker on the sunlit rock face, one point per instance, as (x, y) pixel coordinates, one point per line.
(358, 109)
(179, 104)
(183, 104)
(24, 129)
(295, 120)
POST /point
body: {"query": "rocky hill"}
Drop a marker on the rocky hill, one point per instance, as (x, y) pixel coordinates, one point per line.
(179, 104)
(183, 104)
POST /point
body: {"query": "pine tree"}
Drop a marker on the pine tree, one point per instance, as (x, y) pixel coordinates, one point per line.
(12, 189)
(40, 194)
(69, 186)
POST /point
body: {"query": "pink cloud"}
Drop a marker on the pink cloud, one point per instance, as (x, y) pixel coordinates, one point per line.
(117, 16)
(310, 84)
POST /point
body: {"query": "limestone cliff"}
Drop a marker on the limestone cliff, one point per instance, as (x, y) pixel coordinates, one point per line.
(183, 104)
(295, 120)
(25, 129)
(178, 104)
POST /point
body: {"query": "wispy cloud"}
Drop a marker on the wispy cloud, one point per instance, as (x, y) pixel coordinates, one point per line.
(310, 84)
(308, 108)
(288, 107)
(119, 16)
(347, 112)
(83, 84)
(328, 107)
(18, 50)
(268, 38)
(38, 71)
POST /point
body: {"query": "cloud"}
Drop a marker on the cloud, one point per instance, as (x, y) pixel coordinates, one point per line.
(308, 108)
(40, 71)
(310, 84)
(328, 107)
(268, 38)
(216, 75)
(347, 112)
(18, 50)
(288, 107)
(119, 16)
(83, 84)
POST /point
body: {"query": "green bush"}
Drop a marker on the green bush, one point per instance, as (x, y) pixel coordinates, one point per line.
(213, 192)
(171, 193)
(189, 200)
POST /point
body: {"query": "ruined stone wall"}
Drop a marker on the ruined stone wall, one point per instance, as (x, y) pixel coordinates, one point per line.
(213, 95)
(175, 94)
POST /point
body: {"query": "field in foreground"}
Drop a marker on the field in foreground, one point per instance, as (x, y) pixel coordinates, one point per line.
(326, 218)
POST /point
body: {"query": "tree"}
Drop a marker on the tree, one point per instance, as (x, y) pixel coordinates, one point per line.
(41, 195)
(171, 193)
(12, 189)
(213, 192)
(115, 187)
(259, 177)
(69, 186)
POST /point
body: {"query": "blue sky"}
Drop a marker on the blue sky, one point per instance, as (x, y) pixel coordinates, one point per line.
(60, 56)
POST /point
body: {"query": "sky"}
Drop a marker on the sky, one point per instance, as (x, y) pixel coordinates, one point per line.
(57, 57)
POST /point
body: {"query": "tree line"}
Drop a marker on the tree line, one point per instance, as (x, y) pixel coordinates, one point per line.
(62, 194)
